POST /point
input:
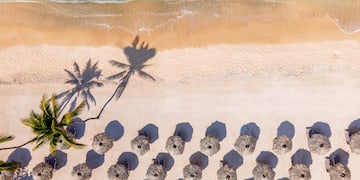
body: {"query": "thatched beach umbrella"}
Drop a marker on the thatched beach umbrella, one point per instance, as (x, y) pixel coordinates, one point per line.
(81, 172)
(226, 172)
(42, 171)
(156, 172)
(118, 172)
(319, 144)
(282, 144)
(299, 172)
(209, 145)
(354, 142)
(140, 145)
(245, 144)
(175, 145)
(192, 172)
(102, 143)
(339, 172)
(263, 171)
(6, 175)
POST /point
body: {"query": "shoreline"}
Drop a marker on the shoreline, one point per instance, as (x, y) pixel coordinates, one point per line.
(186, 25)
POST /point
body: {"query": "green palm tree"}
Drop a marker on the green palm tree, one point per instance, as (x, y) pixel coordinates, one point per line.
(83, 82)
(48, 127)
(8, 166)
(136, 57)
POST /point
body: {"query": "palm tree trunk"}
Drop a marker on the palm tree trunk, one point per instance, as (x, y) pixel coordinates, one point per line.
(118, 92)
(15, 147)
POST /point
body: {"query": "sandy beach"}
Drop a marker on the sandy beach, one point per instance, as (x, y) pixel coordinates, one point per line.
(297, 66)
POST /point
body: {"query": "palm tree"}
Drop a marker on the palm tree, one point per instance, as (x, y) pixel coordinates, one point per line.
(48, 126)
(7, 166)
(83, 82)
(136, 57)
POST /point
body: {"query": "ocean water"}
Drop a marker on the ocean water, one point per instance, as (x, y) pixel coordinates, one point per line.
(160, 14)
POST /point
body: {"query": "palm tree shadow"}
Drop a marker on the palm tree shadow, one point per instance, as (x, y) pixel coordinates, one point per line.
(137, 56)
(83, 81)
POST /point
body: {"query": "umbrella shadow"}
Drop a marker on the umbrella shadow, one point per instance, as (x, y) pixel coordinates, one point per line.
(302, 156)
(77, 128)
(94, 160)
(129, 159)
(184, 130)
(286, 128)
(340, 156)
(250, 129)
(320, 128)
(249, 179)
(267, 157)
(199, 159)
(115, 130)
(354, 127)
(20, 155)
(284, 178)
(216, 129)
(151, 131)
(166, 160)
(234, 159)
(58, 161)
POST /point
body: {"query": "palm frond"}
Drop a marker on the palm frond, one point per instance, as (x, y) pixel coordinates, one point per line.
(4, 138)
(93, 83)
(55, 106)
(67, 118)
(72, 77)
(45, 107)
(9, 166)
(145, 75)
(122, 87)
(118, 64)
(91, 97)
(69, 140)
(77, 70)
(117, 75)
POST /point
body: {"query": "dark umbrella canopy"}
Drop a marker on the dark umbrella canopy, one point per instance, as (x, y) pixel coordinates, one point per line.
(319, 144)
(282, 144)
(102, 143)
(118, 172)
(175, 145)
(245, 144)
(354, 142)
(339, 172)
(209, 145)
(42, 171)
(156, 172)
(226, 173)
(262, 172)
(81, 172)
(140, 145)
(192, 172)
(6, 175)
(299, 172)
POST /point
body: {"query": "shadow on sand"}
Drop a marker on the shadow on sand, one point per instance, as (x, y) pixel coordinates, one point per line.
(184, 130)
(216, 129)
(302, 156)
(131, 160)
(199, 159)
(115, 130)
(20, 155)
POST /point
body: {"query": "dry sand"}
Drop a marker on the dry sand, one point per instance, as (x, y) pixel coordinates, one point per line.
(235, 84)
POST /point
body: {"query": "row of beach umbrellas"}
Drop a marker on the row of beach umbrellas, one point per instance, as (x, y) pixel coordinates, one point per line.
(245, 144)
